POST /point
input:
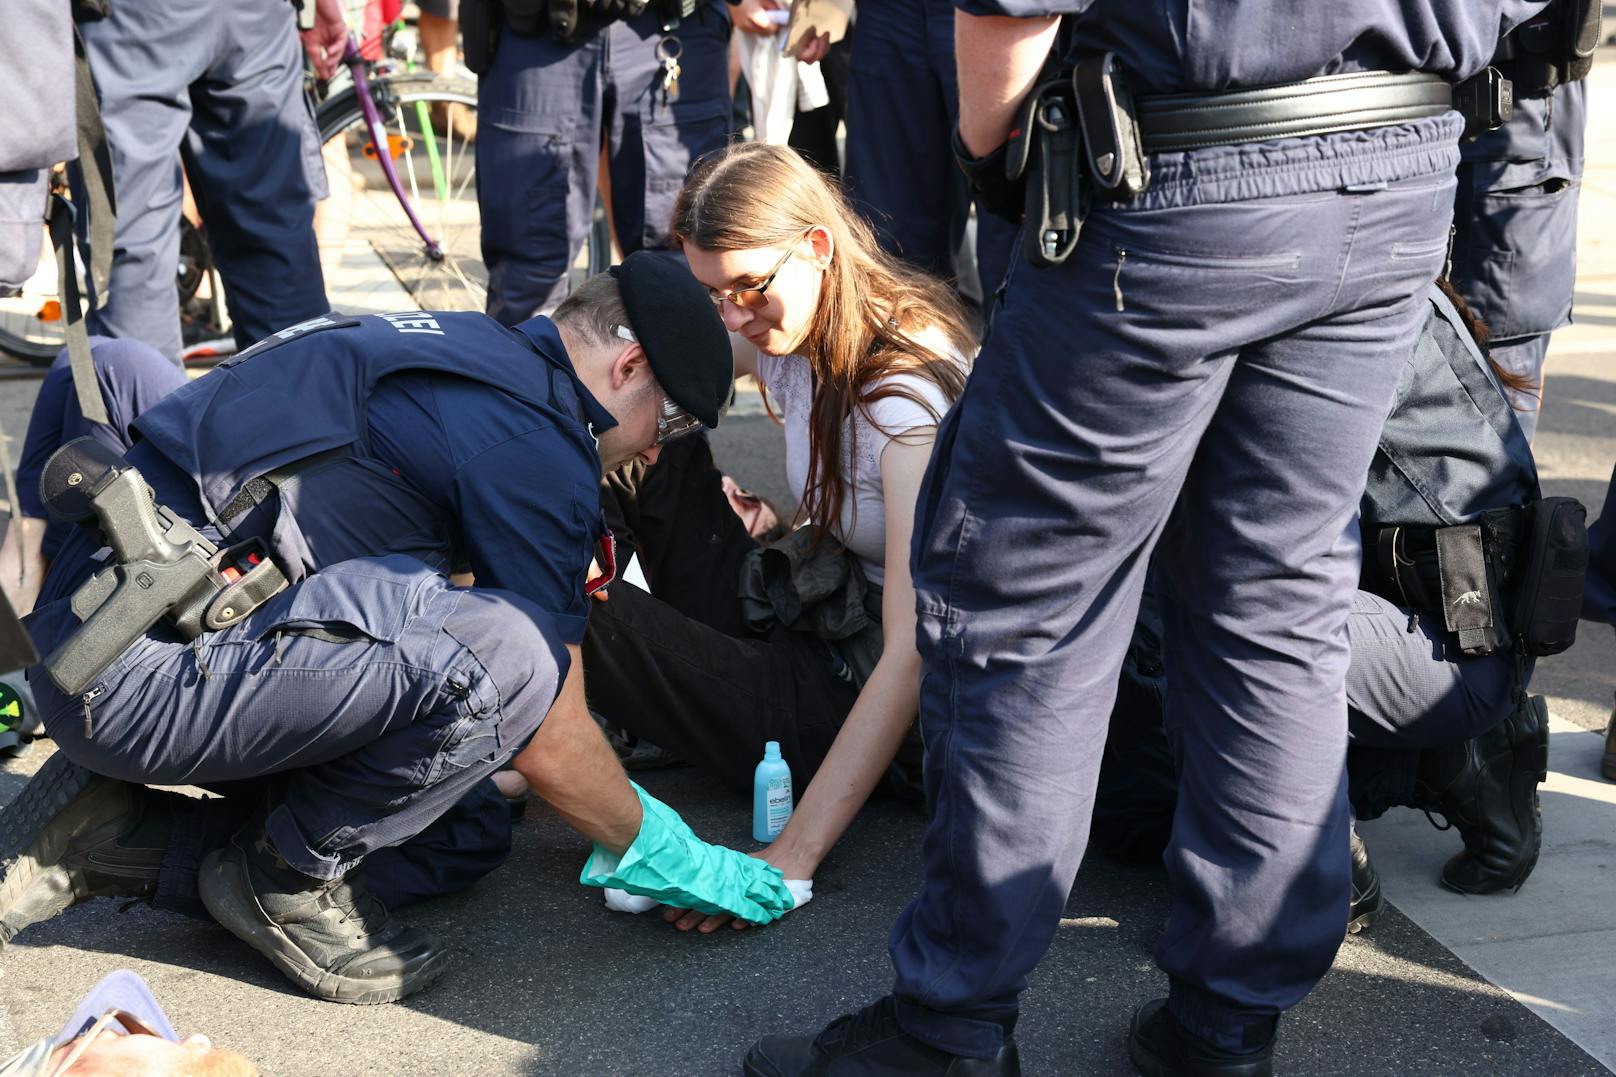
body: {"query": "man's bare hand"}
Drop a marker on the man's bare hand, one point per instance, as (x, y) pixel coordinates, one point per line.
(328, 40)
(752, 16)
(813, 48)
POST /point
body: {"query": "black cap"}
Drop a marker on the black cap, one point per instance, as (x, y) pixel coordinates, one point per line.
(679, 328)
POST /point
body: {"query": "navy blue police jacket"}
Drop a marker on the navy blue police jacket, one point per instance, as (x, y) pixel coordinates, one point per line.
(1451, 448)
(1183, 45)
(443, 436)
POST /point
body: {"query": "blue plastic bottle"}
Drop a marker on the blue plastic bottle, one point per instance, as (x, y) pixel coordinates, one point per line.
(771, 794)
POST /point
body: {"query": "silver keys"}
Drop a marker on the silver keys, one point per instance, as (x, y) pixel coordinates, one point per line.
(668, 51)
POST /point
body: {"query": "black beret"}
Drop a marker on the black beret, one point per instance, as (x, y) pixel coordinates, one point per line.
(679, 328)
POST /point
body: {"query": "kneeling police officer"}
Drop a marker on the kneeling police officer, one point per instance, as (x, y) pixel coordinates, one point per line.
(329, 680)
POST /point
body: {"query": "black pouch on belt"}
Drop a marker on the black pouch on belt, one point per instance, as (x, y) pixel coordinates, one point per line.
(1472, 600)
(1548, 597)
(479, 33)
(1057, 197)
(1115, 153)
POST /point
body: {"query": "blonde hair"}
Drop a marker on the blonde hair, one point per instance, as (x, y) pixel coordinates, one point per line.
(872, 306)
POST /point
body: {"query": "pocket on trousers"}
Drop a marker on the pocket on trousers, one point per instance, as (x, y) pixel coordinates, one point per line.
(1512, 257)
(344, 605)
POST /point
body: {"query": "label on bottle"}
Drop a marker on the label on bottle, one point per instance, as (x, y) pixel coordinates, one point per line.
(778, 799)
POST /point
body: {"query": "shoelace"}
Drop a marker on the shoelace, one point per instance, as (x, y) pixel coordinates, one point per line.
(866, 1024)
(373, 910)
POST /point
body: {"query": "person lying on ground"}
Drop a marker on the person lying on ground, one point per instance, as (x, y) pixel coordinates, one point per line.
(119, 1030)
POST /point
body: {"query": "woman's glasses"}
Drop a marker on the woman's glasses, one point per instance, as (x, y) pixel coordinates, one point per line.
(756, 296)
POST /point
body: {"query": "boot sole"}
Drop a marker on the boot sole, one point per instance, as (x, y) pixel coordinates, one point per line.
(24, 856)
(1151, 1064)
(247, 921)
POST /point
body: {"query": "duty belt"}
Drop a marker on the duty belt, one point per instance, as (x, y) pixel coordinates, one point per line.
(1083, 134)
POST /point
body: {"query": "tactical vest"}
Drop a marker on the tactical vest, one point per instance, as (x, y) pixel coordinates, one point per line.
(287, 418)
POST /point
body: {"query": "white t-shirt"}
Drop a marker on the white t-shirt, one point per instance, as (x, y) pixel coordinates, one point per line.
(863, 524)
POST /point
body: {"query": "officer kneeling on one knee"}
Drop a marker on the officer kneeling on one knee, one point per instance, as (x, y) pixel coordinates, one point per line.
(320, 670)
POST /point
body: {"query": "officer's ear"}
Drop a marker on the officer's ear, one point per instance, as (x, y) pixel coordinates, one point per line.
(629, 366)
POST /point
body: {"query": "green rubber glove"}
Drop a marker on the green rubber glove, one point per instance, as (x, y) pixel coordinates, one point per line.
(668, 863)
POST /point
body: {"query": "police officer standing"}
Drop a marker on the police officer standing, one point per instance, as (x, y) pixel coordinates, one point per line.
(1515, 213)
(1203, 367)
(646, 80)
(902, 107)
(347, 713)
(219, 84)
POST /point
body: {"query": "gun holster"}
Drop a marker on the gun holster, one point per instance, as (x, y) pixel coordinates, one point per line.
(162, 569)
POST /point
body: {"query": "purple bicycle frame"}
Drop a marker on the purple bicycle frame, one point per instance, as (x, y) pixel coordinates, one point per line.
(378, 136)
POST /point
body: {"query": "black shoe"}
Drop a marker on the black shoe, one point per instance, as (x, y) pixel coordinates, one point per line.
(1367, 901)
(871, 1043)
(330, 937)
(71, 835)
(1161, 1047)
(1487, 788)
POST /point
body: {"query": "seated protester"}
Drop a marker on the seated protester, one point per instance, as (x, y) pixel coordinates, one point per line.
(132, 377)
(862, 355)
(1431, 727)
(347, 713)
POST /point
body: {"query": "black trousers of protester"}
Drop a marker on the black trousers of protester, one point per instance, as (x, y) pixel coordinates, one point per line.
(681, 669)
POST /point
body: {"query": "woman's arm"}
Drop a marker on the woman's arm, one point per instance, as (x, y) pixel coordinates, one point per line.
(875, 727)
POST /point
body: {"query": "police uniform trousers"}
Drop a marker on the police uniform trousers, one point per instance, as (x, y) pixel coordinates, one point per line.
(1515, 238)
(219, 84)
(1599, 591)
(1208, 372)
(360, 707)
(1410, 691)
(902, 107)
(545, 108)
(131, 377)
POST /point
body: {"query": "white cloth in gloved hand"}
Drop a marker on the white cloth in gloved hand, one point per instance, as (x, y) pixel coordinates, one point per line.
(668, 863)
(802, 892)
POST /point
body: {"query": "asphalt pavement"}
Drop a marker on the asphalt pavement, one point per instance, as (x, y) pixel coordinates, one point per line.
(548, 982)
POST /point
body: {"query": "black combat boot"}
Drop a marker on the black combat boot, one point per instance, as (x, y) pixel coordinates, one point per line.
(330, 937)
(869, 1043)
(1367, 901)
(1161, 1047)
(1487, 788)
(71, 835)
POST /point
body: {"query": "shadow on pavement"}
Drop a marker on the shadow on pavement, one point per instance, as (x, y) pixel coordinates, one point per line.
(549, 982)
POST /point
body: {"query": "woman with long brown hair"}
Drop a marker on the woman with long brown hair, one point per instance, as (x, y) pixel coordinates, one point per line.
(860, 357)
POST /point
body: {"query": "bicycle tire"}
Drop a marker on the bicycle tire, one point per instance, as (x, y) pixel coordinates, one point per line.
(342, 113)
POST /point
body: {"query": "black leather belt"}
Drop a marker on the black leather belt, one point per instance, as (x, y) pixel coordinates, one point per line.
(1318, 106)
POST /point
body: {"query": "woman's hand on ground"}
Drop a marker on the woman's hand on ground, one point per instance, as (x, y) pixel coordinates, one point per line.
(686, 919)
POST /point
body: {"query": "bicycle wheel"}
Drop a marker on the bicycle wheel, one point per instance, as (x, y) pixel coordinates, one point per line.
(363, 221)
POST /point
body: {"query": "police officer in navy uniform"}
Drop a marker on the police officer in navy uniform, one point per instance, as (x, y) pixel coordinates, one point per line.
(1203, 372)
(649, 82)
(347, 714)
(902, 106)
(221, 86)
(1431, 727)
(1515, 213)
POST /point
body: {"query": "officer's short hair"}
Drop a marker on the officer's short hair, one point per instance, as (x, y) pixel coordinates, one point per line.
(595, 309)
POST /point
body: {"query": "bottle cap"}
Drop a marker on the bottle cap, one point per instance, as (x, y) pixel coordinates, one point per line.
(771, 750)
